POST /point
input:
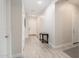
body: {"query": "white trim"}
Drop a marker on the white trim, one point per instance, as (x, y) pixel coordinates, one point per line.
(3, 56)
(23, 27)
(72, 31)
(51, 45)
(18, 55)
(61, 45)
(10, 34)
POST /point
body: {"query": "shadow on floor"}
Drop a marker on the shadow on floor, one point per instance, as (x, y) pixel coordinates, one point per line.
(73, 52)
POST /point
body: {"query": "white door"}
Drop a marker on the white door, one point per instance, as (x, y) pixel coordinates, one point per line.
(3, 40)
(76, 28)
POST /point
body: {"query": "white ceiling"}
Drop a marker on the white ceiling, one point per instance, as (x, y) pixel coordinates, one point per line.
(33, 8)
(76, 2)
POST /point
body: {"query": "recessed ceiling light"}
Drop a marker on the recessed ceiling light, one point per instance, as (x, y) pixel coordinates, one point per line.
(39, 2)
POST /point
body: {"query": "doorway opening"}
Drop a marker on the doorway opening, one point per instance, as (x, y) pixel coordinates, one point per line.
(34, 23)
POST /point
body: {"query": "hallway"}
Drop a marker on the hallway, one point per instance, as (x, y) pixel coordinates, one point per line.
(35, 49)
(22, 20)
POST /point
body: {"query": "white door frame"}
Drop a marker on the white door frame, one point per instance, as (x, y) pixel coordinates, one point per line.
(3, 29)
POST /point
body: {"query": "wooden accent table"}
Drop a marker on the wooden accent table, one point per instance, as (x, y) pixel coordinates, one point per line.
(44, 37)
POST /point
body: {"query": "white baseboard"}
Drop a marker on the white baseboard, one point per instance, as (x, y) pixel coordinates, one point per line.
(63, 45)
(3, 56)
(51, 45)
(19, 55)
(60, 46)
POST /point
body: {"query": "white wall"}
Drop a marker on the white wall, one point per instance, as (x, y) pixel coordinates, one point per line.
(32, 25)
(48, 24)
(39, 24)
(65, 14)
(35, 28)
(57, 21)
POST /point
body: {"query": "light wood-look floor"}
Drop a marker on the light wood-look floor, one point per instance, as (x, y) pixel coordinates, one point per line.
(35, 49)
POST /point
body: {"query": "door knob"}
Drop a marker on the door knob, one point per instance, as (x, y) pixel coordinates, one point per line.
(6, 36)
